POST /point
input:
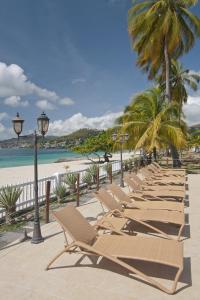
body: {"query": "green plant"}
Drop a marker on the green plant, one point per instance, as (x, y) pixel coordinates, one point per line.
(70, 179)
(87, 178)
(93, 169)
(8, 198)
(128, 164)
(60, 192)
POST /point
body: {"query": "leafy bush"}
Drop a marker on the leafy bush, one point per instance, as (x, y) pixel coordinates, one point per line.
(87, 178)
(8, 198)
(70, 179)
(93, 169)
(60, 192)
(108, 168)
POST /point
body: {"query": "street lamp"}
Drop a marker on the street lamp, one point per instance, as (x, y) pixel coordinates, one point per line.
(43, 125)
(121, 139)
(18, 125)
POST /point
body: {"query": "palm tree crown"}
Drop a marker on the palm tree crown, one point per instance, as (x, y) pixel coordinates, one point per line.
(151, 122)
(155, 23)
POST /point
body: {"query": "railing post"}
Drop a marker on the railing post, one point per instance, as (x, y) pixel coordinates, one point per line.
(110, 173)
(97, 178)
(48, 188)
(78, 190)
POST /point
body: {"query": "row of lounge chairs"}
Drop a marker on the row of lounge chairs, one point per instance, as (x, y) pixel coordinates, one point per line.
(135, 224)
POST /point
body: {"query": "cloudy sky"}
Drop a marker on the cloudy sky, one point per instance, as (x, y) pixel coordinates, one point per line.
(73, 60)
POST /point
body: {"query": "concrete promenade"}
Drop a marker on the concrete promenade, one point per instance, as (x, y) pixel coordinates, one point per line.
(23, 275)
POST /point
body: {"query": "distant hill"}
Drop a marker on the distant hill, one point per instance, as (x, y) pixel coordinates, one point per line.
(196, 126)
(66, 141)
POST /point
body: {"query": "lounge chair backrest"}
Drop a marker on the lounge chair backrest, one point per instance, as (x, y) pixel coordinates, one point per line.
(145, 173)
(136, 179)
(108, 200)
(156, 165)
(154, 168)
(151, 169)
(72, 221)
(131, 183)
(119, 193)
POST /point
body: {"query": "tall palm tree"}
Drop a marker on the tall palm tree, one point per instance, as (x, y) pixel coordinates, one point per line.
(152, 123)
(161, 30)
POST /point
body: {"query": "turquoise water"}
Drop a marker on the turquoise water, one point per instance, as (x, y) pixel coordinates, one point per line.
(24, 157)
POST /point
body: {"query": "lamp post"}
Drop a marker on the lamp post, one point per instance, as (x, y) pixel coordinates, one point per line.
(121, 139)
(43, 125)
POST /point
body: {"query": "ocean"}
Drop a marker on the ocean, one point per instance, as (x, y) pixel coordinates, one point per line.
(24, 157)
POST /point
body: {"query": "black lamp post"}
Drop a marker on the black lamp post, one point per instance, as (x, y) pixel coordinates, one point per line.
(121, 139)
(43, 125)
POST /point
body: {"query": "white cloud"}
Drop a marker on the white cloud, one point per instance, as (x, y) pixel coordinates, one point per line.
(3, 115)
(192, 110)
(78, 121)
(78, 80)
(2, 128)
(5, 132)
(45, 105)
(13, 82)
(66, 101)
(15, 101)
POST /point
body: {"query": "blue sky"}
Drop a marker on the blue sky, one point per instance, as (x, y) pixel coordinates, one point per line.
(72, 59)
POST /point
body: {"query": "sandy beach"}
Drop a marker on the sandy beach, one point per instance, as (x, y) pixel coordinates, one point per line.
(24, 174)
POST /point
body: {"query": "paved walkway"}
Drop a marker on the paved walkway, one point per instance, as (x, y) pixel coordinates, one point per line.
(22, 274)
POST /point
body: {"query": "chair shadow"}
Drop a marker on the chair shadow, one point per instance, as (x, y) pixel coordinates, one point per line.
(186, 203)
(187, 218)
(170, 229)
(150, 269)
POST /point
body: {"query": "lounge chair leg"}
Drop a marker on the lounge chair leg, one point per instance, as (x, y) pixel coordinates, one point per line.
(180, 232)
(176, 280)
(134, 270)
(57, 256)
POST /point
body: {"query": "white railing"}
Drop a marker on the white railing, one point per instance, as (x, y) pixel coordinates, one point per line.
(26, 199)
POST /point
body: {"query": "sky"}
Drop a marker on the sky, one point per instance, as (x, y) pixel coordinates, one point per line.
(73, 60)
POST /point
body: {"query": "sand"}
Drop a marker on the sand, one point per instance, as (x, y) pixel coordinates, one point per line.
(24, 174)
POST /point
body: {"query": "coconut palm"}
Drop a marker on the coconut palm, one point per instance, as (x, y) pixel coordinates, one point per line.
(180, 81)
(161, 30)
(152, 123)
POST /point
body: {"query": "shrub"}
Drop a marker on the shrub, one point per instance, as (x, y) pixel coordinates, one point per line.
(87, 178)
(8, 198)
(60, 192)
(70, 179)
(93, 169)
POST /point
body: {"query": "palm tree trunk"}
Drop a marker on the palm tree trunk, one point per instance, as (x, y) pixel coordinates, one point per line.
(154, 153)
(167, 72)
(174, 152)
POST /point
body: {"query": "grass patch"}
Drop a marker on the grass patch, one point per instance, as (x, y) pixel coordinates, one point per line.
(12, 227)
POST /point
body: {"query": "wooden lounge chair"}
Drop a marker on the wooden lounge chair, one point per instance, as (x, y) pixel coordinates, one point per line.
(166, 194)
(142, 203)
(172, 181)
(148, 185)
(166, 172)
(147, 216)
(158, 174)
(115, 248)
(171, 170)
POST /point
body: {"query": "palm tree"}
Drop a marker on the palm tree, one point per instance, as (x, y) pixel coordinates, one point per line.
(161, 30)
(180, 81)
(152, 123)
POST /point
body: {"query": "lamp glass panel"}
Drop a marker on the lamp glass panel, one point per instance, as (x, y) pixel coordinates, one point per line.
(18, 127)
